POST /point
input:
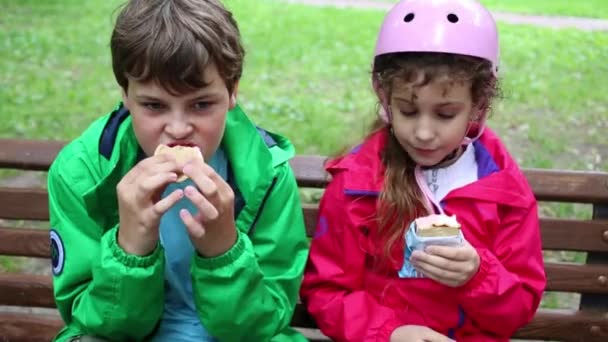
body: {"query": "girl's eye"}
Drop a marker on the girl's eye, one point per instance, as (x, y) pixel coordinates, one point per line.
(408, 113)
(446, 116)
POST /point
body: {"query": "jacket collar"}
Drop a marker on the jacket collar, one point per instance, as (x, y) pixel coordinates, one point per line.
(364, 164)
(114, 160)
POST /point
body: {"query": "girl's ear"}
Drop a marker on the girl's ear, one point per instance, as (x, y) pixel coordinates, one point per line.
(383, 99)
(379, 91)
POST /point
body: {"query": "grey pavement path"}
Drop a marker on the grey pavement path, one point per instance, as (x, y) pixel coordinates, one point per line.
(585, 24)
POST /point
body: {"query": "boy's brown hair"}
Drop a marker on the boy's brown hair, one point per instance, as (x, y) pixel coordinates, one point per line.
(172, 42)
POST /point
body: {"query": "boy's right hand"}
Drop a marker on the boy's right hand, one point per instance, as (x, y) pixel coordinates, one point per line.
(140, 206)
(417, 333)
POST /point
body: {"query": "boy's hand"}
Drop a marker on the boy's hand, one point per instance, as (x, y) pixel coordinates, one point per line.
(417, 333)
(139, 205)
(212, 230)
(448, 265)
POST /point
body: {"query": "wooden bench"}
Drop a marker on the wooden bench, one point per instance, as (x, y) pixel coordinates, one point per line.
(589, 322)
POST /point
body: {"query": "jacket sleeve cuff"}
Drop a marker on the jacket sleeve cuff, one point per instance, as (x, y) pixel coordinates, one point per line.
(229, 257)
(109, 241)
(487, 261)
(385, 332)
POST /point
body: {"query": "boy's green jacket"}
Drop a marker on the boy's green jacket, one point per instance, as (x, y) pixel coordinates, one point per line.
(247, 294)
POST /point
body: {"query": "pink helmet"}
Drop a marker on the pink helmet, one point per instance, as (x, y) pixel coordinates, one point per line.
(462, 27)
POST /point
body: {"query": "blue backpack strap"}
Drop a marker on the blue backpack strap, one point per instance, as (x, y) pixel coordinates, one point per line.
(268, 139)
(110, 131)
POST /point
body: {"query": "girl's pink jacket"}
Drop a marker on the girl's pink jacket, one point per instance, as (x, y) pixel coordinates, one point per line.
(353, 301)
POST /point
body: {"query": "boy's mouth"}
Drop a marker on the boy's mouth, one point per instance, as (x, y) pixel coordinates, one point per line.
(181, 143)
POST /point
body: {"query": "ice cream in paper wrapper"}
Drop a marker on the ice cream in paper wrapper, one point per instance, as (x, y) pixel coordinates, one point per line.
(426, 231)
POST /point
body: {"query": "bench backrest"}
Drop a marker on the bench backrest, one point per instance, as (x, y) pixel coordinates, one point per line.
(588, 322)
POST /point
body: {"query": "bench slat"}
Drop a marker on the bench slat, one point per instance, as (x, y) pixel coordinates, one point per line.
(561, 276)
(548, 185)
(577, 278)
(566, 325)
(568, 186)
(24, 204)
(557, 234)
(27, 242)
(547, 324)
(29, 290)
(28, 154)
(36, 290)
(574, 235)
(309, 171)
(20, 327)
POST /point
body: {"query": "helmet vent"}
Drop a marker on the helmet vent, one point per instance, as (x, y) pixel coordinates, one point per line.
(409, 17)
(453, 18)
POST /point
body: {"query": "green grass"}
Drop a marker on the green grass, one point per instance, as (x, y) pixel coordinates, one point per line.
(308, 80)
(581, 8)
(8, 264)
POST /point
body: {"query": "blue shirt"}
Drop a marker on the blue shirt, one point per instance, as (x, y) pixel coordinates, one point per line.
(180, 320)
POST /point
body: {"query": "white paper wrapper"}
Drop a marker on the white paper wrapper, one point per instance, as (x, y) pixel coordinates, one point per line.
(414, 242)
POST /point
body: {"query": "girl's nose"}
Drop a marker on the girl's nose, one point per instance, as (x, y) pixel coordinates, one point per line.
(424, 130)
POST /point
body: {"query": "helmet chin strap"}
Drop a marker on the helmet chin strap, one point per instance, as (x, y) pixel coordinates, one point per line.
(481, 125)
(465, 141)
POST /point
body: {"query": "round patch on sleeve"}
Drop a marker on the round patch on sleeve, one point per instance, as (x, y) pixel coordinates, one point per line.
(57, 253)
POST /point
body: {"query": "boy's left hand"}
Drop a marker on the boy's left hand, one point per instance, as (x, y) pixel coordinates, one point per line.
(449, 265)
(212, 230)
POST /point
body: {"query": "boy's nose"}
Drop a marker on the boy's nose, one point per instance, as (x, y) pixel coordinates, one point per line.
(178, 129)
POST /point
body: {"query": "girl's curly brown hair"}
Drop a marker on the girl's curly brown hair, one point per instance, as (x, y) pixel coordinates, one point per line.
(401, 199)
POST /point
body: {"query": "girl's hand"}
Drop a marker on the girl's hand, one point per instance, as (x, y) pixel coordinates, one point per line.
(448, 265)
(212, 230)
(139, 205)
(417, 333)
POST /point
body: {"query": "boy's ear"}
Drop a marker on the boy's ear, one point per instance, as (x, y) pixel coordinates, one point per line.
(125, 98)
(232, 100)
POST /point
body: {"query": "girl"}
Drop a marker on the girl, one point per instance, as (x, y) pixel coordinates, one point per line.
(434, 74)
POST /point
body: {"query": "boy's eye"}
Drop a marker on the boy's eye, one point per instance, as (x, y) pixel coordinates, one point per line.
(201, 105)
(153, 105)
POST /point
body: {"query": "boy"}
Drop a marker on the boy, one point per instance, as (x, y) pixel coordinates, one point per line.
(140, 256)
